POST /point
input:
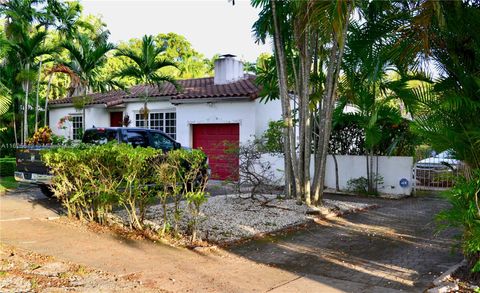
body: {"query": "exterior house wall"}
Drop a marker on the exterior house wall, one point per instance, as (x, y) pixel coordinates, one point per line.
(253, 116)
(94, 116)
(242, 113)
(132, 108)
(54, 115)
(266, 112)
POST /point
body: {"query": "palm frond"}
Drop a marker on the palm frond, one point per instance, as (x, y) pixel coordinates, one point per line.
(131, 54)
(5, 99)
(130, 71)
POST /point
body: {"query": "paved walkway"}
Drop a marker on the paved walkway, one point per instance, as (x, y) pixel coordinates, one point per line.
(394, 246)
(382, 250)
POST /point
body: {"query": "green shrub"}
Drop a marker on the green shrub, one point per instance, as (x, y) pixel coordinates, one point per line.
(91, 180)
(7, 150)
(182, 175)
(273, 136)
(136, 173)
(360, 185)
(465, 214)
(7, 167)
(190, 167)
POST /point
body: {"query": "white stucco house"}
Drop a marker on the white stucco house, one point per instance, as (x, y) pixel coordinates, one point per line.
(203, 114)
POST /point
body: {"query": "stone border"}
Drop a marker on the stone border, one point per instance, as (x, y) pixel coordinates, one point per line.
(442, 285)
(381, 195)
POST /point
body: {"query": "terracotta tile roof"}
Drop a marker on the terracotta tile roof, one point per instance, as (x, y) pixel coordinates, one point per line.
(191, 89)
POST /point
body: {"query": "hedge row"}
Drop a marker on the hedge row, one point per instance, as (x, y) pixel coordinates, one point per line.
(7, 150)
(93, 180)
(7, 167)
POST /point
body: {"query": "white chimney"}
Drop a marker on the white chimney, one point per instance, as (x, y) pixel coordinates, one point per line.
(228, 69)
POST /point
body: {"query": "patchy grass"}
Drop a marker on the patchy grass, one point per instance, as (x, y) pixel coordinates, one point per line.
(7, 183)
(81, 270)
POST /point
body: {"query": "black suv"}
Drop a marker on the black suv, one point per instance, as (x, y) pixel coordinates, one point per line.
(135, 136)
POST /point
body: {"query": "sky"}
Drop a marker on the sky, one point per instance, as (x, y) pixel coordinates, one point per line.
(214, 26)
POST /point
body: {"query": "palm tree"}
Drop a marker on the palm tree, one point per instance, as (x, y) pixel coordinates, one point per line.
(5, 99)
(65, 18)
(443, 33)
(370, 80)
(25, 36)
(27, 48)
(299, 30)
(87, 55)
(145, 68)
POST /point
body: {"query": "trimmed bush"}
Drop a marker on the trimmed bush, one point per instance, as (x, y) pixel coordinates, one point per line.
(92, 180)
(7, 167)
(7, 150)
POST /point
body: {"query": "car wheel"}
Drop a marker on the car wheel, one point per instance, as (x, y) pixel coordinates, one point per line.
(46, 190)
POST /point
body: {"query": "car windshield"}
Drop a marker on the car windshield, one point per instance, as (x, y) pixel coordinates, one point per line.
(99, 136)
(445, 155)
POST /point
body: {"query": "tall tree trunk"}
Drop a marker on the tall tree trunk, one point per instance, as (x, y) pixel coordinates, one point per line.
(21, 132)
(370, 187)
(15, 126)
(337, 185)
(302, 40)
(45, 123)
(25, 110)
(376, 174)
(84, 123)
(289, 139)
(36, 98)
(145, 108)
(327, 107)
(308, 126)
(368, 171)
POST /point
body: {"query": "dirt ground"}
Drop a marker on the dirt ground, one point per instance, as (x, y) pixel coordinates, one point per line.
(389, 249)
(24, 271)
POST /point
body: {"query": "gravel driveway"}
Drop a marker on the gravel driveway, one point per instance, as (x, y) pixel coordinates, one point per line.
(394, 246)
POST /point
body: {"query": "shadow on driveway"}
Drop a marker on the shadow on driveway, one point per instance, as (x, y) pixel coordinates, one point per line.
(395, 246)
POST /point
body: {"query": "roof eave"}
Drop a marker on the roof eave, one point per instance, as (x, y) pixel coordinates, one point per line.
(62, 105)
(210, 100)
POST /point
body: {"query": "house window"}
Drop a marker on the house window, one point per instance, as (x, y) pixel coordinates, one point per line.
(77, 125)
(139, 121)
(171, 124)
(164, 121)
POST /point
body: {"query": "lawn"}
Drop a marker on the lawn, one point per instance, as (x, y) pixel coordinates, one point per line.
(7, 183)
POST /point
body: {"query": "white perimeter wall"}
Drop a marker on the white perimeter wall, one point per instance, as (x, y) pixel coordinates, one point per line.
(392, 169)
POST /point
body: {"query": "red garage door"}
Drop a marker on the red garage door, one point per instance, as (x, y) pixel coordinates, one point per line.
(215, 139)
